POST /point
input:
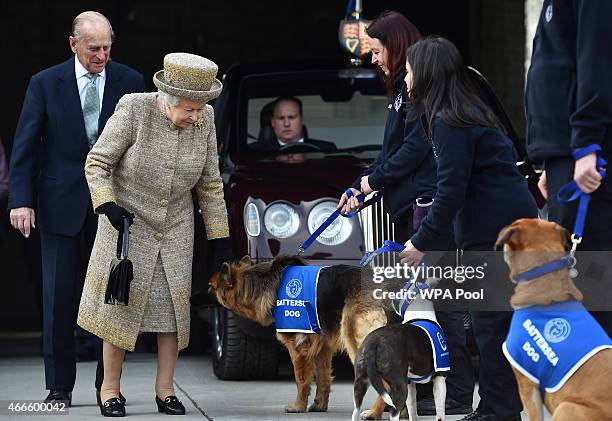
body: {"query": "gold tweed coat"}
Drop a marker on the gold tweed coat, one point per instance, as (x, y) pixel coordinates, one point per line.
(146, 165)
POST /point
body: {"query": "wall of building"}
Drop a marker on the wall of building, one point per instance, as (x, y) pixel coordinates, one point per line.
(532, 14)
(497, 45)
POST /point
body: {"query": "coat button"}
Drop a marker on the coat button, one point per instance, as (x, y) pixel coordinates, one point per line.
(163, 203)
(170, 165)
(158, 236)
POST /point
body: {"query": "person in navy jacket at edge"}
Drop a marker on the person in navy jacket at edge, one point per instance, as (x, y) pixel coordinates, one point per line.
(406, 170)
(480, 191)
(569, 106)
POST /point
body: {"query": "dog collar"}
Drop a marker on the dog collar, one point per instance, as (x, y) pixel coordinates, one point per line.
(562, 263)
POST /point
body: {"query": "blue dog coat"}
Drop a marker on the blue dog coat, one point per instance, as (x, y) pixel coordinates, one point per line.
(439, 348)
(547, 344)
(296, 300)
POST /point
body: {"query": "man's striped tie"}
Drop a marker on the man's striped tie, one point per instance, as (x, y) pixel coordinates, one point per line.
(91, 109)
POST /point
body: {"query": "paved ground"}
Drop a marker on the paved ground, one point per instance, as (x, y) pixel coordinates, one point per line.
(205, 397)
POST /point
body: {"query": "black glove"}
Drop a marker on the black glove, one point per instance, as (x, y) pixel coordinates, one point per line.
(115, 215)
(222, 249)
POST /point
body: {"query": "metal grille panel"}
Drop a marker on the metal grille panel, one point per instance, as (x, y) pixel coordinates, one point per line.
(377, 227)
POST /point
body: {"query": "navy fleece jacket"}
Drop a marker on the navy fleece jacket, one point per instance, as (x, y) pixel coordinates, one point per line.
(569, 85)
(405, 169)
(480, 188)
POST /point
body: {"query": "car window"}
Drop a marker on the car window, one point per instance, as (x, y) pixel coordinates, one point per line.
(356, 122)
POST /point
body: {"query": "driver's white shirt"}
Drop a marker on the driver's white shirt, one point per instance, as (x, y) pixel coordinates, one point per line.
(280, 142)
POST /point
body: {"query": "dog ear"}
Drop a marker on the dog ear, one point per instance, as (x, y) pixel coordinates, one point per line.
(505, 235)
(226, 275)
(566, 239)
(285, 260)
(246, 260)
(281, 262)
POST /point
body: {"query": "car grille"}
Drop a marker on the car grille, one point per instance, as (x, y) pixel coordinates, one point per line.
(376, 227)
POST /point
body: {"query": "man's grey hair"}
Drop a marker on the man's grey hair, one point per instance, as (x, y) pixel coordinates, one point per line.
(90, 16)
(168, 99)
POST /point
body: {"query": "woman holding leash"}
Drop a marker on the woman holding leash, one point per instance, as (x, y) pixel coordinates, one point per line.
(405, 170)
(154, 150)
(480, 191)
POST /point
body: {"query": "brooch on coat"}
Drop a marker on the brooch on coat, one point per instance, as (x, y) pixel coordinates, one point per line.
(199, 123)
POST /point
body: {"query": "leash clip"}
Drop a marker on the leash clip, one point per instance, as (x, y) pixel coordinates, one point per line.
(571, 259)
(575, 241)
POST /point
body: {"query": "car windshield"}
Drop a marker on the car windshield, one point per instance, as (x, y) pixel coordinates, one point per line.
(345, 114)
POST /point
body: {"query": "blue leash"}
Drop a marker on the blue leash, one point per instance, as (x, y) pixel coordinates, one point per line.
(400, 305)
(331, 218)
(572, 190)
(388, 246)
(403, 303)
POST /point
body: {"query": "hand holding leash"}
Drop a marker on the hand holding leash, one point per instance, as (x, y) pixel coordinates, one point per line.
(349, 193)
(574, 191)
(365, 185)
(411, 256)
(586, 175)
(349, 201)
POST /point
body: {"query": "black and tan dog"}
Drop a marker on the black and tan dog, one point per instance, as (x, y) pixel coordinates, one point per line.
(347, 310)
(395, 357)
(585, 394)
(387, 357)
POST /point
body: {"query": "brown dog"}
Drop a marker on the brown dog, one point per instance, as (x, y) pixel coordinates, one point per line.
(586, 395)
(347, 311)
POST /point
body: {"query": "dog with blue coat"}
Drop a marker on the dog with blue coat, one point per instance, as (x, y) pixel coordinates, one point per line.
(561, 357)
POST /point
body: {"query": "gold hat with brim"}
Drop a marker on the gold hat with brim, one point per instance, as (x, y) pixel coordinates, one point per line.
(188, 76)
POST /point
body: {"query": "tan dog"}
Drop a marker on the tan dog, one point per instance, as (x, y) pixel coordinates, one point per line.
(347, 312)
(587, 394)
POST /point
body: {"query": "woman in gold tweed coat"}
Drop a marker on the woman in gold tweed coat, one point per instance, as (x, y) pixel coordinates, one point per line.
(153, 151)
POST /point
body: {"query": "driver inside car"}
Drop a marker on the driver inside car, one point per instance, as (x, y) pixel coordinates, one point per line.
(287, 124)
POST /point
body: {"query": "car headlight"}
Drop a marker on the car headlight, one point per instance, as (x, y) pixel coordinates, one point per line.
(281, 220)
(251, 220)
(337, 232)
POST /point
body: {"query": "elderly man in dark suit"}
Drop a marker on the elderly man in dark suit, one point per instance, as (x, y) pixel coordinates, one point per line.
(65, 108)
(287, 123)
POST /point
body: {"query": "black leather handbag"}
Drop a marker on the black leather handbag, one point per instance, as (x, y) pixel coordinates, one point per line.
(121, 271)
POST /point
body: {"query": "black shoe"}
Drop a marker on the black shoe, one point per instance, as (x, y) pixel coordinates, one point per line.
(112, 408)
(479, 416)
(427, 406)
(57, 395)
(121, 398)
(171, 405)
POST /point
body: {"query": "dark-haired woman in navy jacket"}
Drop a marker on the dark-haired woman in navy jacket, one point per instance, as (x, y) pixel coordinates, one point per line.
(406, 171)
(480, 190)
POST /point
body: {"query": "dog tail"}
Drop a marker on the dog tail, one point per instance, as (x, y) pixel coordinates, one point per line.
(376, 379)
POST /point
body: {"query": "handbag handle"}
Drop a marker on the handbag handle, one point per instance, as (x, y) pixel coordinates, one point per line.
(123, 241)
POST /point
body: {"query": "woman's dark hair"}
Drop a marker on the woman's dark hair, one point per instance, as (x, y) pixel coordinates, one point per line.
(441, 86)
(396, 33)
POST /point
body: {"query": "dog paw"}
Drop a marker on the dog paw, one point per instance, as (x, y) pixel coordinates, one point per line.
(370, 415)
(294, 409)
(317, 407)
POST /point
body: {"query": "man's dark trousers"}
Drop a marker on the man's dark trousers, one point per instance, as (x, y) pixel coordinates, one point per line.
(64, 262)
(597, 235)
